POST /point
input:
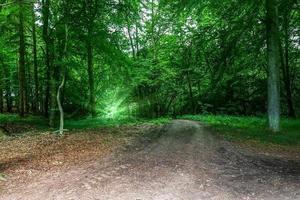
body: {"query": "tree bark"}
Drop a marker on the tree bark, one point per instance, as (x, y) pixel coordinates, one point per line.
(21, 61)
(45, 18)
(286, 68)
(1, 91)
(53, 105)
(36, 104)
(61, 111)
(273, 58)
(61, 86)
(50, 99)
(7, 88)
(89, 48)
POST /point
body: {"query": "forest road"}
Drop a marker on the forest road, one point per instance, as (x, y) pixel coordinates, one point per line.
(183, 162)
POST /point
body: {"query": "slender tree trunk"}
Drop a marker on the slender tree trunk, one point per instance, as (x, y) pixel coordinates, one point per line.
(7, 88)
(21, 61)
(286, 66)
(1, 91)
(45, 18)
(36, 102)
(130, 36)
(53, 103)
(47, 89)
(137, 40)
(1, 100)
(61, 111)
(273, 53)
(191, 94)
(131, 40)
(50, 99)
(90, 70)
(61, 86)
(28, 92)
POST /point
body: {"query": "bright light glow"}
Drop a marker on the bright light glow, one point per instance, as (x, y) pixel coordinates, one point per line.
(115, 104)
(112, 111)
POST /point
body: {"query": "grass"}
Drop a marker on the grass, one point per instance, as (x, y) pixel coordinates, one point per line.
(83, 123)
(102, 122)
(251, 128)
(37, 121)
(230, 127)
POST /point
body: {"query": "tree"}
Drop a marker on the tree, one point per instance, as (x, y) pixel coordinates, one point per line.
(91, 7)
(50, 97)
(35, 64)
(1, 92)
(285, 60)
(273, 53)
(22, 80)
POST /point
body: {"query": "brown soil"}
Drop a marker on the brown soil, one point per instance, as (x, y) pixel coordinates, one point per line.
(183, 161)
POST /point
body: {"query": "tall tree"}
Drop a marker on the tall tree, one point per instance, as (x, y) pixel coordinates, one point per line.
(285, 58)
(35, 64)
(50, 96)
(22, 85)
(1, 91)
(91, 12)
(273, 53)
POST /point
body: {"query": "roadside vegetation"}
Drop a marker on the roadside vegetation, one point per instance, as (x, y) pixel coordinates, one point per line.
(251, 128)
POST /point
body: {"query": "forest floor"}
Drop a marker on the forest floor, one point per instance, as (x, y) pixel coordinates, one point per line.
(180, 160)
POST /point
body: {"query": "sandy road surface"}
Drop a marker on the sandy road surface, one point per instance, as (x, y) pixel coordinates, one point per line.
(184, 162)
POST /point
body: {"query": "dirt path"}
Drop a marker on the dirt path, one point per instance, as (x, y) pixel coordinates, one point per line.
(185, 162)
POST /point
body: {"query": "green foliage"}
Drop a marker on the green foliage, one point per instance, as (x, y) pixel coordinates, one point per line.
(149, 58)
(102, 122)
(251, 128)
(37, 121)
(81, 123)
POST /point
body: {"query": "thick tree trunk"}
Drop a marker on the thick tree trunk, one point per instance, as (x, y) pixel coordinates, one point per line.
(273, 53)
(21, 61)
(36, 104)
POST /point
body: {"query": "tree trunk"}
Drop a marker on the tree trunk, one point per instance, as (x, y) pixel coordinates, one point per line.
(1, 91)
(286, 68)
(130, 39)
(191, 94)
(273, 57)
(21, 61)
(90, 70)
(7, 88)
(53, 103)
(61, 86)
(137, 39)
(8, 97)
(36, 104)
(45, 18)
(51, 83)
(61, 111)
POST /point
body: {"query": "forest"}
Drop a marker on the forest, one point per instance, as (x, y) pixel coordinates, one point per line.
(149, 58)
(73, 64)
